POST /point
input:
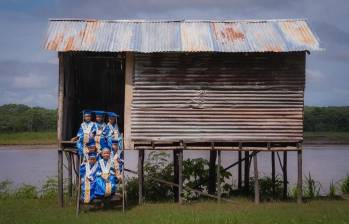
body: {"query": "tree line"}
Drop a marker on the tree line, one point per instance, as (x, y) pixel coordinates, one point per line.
(22, 118)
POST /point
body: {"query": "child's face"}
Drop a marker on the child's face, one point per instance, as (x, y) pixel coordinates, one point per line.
(115, 147)
(92, 160)
(105, 154)
(87, 118)
(99, 119)
(112, 120)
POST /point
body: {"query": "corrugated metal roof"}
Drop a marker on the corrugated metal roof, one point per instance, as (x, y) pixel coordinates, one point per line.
(180, 36)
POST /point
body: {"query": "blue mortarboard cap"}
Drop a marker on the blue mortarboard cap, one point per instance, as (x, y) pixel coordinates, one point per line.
(115, 141)
(99, 113)
(92, 154)
(112, 114)
(91, 143)
(104, 142)
(87, 112)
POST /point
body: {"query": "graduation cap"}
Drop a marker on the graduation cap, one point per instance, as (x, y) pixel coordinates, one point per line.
(87, 112)
(99, 113)
(92, 155)
(91, 143)
(103, 142)
(112, 114)
(115, 141)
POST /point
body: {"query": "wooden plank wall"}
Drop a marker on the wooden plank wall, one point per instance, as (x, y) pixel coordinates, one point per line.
(205, 97)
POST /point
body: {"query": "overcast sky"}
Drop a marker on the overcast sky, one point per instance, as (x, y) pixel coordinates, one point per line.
(29, 74)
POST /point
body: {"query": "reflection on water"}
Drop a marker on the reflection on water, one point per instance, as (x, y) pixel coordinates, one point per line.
(325, 163)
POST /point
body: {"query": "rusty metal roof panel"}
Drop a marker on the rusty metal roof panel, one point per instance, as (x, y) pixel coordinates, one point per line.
(229, 37)
(264, 37)
(180, 36)
(196, 37)
(65, 35)
(109, 37)
(158, 37)
(298, 35)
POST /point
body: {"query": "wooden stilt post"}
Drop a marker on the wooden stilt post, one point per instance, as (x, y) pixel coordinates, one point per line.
(285, 175)
(212, 171)
(299, 178)
(77, 168)
(180, 173)
(247, 172)
(256, 183)
(219, 161)
(60, 178)
(273, 173)
(176, 174)
(60, 128)
(240, 167)
(78, 180)
(140, 175)
(70, 175)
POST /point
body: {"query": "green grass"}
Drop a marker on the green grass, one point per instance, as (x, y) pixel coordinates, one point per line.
(327, 137)
(240, 211)
(28, 138)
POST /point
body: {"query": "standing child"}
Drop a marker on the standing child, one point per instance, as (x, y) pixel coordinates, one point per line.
(88, 172)
(106, 181)
(117, 155)
(112, 128)
(86, 131)
(100, 128)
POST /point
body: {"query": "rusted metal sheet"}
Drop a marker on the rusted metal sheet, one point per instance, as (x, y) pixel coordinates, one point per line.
(196, 37)
(180, 36)
(255, 97)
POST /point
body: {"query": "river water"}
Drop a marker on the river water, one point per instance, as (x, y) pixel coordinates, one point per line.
(324, 162)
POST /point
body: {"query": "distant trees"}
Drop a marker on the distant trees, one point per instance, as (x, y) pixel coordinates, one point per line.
(329, 119)
(22, 118)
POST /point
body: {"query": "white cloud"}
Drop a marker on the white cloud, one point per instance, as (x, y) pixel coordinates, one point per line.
(30, 81)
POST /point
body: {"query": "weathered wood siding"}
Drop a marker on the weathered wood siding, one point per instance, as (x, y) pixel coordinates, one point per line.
(228, 97)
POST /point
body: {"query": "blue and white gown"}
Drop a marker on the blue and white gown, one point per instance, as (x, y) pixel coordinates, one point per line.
(118, 160)
(113, 133)
(106, 182)
(88, 179)
(86, 131)
(101, 134)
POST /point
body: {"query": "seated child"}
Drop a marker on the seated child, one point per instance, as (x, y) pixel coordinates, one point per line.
(106, 181)
(100, 129)
(117, 155)
(86, 131)
(90, 148)
(112, 128)
(88, 171)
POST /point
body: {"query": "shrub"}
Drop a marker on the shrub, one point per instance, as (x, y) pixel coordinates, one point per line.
(26, 191)
(266, 187)
(49, 188)
(311, 187)
(345, 185)
(332, 190)
(5, 189)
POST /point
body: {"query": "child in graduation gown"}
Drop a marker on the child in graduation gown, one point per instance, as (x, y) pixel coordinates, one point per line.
(106, 182)
(86, 131)
(112, 128)
(88, 172)
(118, 158)
(100, 129)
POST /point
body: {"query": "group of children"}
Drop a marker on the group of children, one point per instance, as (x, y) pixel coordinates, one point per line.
(100, 147)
